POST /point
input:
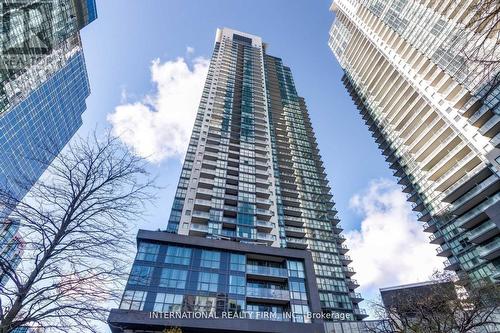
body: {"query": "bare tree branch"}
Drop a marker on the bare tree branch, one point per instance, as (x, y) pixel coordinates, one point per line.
(76, 226)
(441, 309)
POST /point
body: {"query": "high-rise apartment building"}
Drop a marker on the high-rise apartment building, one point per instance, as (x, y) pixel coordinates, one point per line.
(257, 231)
(434, 112)
(43, 87)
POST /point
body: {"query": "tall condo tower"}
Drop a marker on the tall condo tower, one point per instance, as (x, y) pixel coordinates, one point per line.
(253, 203)
(434, 111)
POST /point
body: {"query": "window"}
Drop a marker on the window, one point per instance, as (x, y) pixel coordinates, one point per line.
(235, 305)
(300, 313)
(210, 259)
(237, 262)
(208, 281)
(168, 302)
(148, 251)
(237, 284)
(296, 269)
(178, 255)
(204, 304)
(298, 290)
(140, 275)
(173, 278)
(133, 300)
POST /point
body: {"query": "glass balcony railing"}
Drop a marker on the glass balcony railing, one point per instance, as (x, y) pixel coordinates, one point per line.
(264, 224)
(355, 295)
(267, 271)
(266, 237)
(296, 240)
(490, 248)
(482, 229)
(276, 294)
(199, 227)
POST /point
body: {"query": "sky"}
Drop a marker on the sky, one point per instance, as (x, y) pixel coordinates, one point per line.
(146, 63)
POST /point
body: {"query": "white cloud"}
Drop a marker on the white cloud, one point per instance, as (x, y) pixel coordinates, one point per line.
(159, 126)
(189, 50)
(391, 247)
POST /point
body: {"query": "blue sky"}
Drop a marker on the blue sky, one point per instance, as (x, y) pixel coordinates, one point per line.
(128, 35)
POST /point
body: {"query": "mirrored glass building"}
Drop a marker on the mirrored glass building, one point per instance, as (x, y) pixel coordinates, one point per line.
(43, 87)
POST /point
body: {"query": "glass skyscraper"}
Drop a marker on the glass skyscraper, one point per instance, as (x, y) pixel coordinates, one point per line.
(434, 113)
(43, 87)
(252, 187)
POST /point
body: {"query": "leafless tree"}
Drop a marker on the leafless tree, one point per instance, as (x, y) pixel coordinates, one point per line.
(76, 225)
(444, 307)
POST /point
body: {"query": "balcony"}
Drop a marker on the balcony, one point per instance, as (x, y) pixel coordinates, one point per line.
(352, 283)
(348, 271)
(343, 249)
(294, 221)
(293, 211)
(267, 238)
(201, 203)
(459, 171)
(270, 295)
(263, 202)
(198, 229)
(484, 232)
(228, 222)
(360, 313)
(296, 243)
(491, 250)
(345, 259)
(355, 296)
(476, 215)
(293, 202)
(337, 228)
(228, 233)
(199, 216)
(264, 225)
(483, 189)
(267, 273)
(451, 264)
(429, 226)
(465, 184)
(203, 193)
(295, 231)
(263, 214)
(340, 238)
(444, 250)
(437, 238)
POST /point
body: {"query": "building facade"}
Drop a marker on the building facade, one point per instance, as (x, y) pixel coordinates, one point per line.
(253, 174)
(217, 285)
(43, 87)
(434, 113)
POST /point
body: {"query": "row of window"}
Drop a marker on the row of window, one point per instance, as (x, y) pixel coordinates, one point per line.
(167, 302)
(207, 281)
(209, 258)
